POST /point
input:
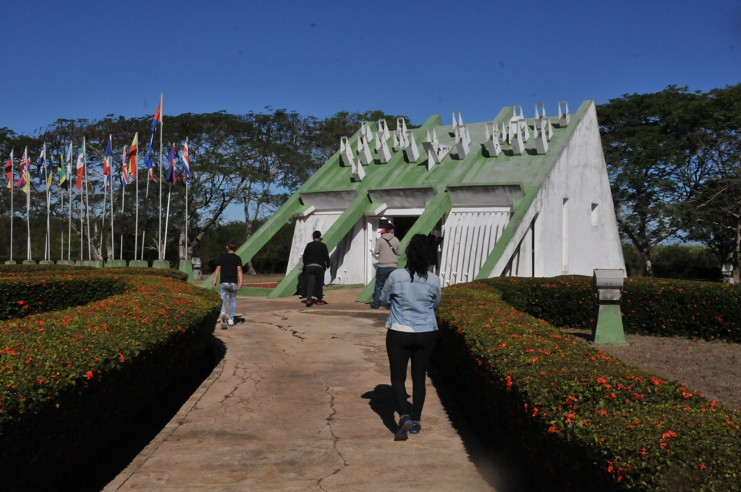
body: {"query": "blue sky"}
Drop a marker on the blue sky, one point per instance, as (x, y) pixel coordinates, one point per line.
(88, 59)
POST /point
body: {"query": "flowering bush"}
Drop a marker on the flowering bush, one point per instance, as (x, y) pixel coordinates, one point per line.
(110, 353)
(591, 421)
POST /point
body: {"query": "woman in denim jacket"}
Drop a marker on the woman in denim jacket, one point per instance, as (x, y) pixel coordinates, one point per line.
(413, 294)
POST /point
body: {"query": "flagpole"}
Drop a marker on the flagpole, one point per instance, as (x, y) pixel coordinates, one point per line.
(28, 218)
(47, 246)
(102, 216)
(87, 202)
(159, 236)
(136, 220)
(12, 185)
(186, 220)
(167, 216)
(69, 188)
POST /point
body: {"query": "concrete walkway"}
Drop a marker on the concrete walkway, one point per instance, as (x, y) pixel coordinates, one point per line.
(301, 401)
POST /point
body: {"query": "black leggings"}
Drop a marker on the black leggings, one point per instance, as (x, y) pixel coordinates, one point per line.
(402, 346)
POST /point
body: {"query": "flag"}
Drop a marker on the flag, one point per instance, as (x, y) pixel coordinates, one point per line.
(68, 172)
(9, 171)
(62, 172)
(124, 167)
(185, 159)
(132, 156)
(41, 168)
(25, 178)
(172, 176)
(148, 158)
(107, 162)
(80, 166)
(157, 116)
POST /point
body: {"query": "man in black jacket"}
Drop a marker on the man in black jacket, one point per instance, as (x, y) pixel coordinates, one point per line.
(316, 260)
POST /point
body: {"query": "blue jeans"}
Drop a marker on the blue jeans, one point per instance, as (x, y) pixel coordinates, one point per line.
(228, 293)
(382, 273)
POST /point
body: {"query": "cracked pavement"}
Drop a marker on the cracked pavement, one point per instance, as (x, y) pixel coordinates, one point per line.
(301, 401)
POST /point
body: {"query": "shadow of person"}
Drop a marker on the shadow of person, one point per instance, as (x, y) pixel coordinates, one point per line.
(381, 401)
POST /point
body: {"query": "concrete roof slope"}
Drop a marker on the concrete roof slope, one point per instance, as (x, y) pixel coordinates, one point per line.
(528, 170)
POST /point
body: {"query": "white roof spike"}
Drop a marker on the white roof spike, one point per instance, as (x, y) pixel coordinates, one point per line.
(364, 153)
(365, 130)
(383, 131)
(563, 115)
(411, 152)
(517, 112)
(457, 119)
(400, 135)
(345, 152)
(539, 110)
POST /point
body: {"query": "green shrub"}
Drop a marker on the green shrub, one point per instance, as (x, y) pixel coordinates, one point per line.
(591, 421)
(113, 355)
(663, 307)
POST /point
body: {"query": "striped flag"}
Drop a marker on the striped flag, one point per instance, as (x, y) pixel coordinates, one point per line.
(62, 172)
(9, 171)
(107, 162)
(124, 167)
(132, 155)
(41, 168)
(185, 159)
(25, 178)
(148, 159)
(80, 166)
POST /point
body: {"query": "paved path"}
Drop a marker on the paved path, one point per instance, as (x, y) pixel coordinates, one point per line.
(301, 401)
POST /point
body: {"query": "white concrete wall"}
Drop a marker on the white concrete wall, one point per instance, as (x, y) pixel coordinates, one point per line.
(566, 241)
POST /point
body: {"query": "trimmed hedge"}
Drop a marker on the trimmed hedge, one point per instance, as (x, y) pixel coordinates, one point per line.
(588, 420)
(113, 355)
(711, 311)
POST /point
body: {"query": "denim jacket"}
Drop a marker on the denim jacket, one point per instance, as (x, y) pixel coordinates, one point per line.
(412, 304)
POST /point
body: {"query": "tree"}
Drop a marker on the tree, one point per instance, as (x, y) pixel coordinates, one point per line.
(646, 142)
(712, 181)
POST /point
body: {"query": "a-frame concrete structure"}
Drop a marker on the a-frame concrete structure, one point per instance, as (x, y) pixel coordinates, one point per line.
(512, 196)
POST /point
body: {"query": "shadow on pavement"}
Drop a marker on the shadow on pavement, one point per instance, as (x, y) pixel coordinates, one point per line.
(381, 401)
(136, 433)
(496, 461)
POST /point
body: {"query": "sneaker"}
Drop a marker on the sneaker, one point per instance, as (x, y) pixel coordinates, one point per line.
(223, 321)
(374, 306)
(416, 427)
(230, 322)
(405, 425)
(321, 303)
(308, 303)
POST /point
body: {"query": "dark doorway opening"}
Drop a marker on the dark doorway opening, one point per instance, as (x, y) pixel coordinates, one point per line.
(402, 225)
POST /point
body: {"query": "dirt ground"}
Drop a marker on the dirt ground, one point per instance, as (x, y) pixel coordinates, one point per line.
(713, 368)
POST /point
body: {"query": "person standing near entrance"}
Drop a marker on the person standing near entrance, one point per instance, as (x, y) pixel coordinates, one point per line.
(229, 265)
(316, 261)
(387, 249)
(413, 293)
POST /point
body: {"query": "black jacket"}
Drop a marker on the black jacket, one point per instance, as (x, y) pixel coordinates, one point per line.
(316, 253)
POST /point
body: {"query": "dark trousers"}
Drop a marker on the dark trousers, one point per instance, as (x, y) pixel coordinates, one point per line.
(314, 282)
(401, 347)
(382, 273)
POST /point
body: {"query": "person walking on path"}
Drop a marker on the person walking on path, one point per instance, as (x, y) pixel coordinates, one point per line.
(316, 260)
(412, 293)
(387, 249)
(229, 265)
